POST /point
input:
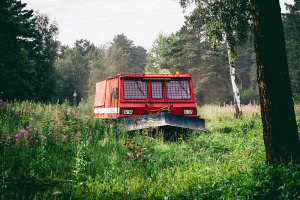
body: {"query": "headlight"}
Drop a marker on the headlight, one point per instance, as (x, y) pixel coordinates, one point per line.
(128, 112)
(188, 112)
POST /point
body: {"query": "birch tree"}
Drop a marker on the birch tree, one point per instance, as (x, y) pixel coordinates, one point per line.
(224, 22)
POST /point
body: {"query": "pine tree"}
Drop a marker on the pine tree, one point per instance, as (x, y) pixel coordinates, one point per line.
(17, 71)
(280, 133)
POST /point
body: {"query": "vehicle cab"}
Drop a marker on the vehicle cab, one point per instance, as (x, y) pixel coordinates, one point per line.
(131, 95)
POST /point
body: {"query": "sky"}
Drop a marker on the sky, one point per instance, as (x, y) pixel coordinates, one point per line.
(100, 20)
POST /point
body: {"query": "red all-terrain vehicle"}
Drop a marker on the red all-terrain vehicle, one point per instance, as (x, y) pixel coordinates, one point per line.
(148, 100)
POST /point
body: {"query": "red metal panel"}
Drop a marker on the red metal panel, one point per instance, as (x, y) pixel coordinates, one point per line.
(111, 104)
(100, 94)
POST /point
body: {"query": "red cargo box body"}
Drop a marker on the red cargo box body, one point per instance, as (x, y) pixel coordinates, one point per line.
(131, 95)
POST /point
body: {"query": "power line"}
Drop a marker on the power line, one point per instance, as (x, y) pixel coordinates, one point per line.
(118, 19)
(58, 3)
(118, 15)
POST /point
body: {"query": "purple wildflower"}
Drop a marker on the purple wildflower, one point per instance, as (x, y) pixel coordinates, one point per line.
(74, 95)
(35, 129)
(9, 137)
(30, 125)
(90, 138)
(2, 102)
(111, 126)
(43, 137)
(31, 118)
(91, 105)
(78, 107)
(68, 113)
(57, 124)
(78, 118)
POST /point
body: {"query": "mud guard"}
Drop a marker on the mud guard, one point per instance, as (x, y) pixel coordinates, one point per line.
(163, 120)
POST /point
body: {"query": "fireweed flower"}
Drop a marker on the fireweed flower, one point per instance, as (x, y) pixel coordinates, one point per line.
(2, 102)
(31, 118)
(35, 129)
(74, 95)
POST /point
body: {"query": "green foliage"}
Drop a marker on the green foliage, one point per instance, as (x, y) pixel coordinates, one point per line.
(81, 67)
(72, 158)
(17, 72)
(291, 24)
(227, 21)
(28, 49)
(73, 73)
(184, 53)
(249, 95)
(137, 54)
(44, 54)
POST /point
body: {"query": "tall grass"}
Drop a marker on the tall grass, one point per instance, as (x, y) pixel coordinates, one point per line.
(61, 152)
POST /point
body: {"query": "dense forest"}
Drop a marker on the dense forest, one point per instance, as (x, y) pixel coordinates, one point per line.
(35, 65)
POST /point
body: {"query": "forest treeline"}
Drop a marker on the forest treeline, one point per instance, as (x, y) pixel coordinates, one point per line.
(35, 65)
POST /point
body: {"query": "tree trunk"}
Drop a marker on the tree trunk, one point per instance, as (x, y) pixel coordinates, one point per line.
(235, 89)
(280, 133)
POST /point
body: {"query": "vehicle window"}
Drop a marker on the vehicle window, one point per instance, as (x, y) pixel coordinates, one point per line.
(156, 90)
(178, 89)
(134, 89)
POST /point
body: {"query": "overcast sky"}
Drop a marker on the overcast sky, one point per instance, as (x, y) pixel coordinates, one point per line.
(100, 20)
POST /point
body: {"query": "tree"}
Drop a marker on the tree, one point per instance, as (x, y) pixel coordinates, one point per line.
(277, 109)
(17, 71)
(108, 61)
(44, 53)
(84, 46)
(223, 21)
(280, 133)
(184, 53)
(291, 27)
(137, 54)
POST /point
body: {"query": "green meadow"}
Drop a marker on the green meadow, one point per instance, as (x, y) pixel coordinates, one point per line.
(61, 152)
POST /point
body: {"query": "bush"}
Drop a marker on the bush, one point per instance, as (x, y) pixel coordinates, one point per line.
(249, 95)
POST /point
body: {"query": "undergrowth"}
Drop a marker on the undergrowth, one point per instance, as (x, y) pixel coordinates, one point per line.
(61, 152)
